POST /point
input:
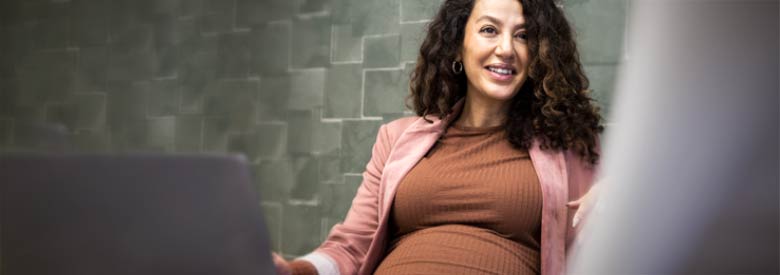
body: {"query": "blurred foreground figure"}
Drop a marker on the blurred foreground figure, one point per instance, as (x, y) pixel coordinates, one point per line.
(692, 161)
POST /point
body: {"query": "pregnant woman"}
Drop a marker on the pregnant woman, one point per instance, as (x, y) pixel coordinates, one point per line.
(494, 172)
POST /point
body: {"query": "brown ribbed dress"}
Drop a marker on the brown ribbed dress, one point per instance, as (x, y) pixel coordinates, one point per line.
(472, 205)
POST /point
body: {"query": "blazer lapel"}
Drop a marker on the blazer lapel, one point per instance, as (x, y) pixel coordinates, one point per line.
(549, 166)
(410, 147)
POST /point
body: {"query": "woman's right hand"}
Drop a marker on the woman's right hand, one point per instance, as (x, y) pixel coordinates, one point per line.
(282, 266)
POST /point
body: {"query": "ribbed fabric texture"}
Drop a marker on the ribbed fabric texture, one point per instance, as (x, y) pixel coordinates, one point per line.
(472, 205)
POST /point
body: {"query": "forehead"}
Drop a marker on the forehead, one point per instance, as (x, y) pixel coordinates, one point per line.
(506, 11)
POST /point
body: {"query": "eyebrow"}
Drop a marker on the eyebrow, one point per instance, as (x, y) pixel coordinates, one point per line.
(498, 22)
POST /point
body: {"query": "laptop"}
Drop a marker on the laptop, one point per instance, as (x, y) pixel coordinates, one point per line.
(131, 214)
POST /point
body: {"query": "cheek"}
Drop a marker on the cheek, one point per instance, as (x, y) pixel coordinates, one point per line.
(523, 55)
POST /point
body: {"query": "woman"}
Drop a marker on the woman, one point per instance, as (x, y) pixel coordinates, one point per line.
(479, 182)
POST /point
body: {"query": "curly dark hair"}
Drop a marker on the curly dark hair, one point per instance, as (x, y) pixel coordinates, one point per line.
(553, 104)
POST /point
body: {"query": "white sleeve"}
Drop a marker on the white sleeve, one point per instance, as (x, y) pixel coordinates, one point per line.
(323, 263)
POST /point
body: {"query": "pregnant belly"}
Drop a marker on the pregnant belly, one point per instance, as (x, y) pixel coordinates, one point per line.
(458, 249)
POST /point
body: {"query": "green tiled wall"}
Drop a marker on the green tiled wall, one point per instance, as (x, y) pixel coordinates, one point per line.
(300, 87)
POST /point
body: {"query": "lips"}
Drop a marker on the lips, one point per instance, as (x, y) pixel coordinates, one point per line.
(502, 69)
(501, 73)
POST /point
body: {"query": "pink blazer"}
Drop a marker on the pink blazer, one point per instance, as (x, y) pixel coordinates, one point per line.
(357, 245)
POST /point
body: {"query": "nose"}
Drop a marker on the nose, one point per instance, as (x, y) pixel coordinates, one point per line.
(504, 49)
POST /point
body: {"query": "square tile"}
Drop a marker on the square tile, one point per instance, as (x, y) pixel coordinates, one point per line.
(191, 8)
(301, 227)
(215, 134)
(136, 38)
(270, 140)
(57, 67)
(273, 222)
(336, 198)
(91, 72)
(375, 17)
(197, 71)
(599, 26)
(300, 124)
(235, 99)
(383, 94)
(189, 133)
(347, 45)
(61, 114)
(250, 13)
(313, 6)
(218, 6)
(417, 10)
(213, 23)
(126, 102)
(306, 178)
(54, 31)
(341, 11)
(167, 35)
(160, 134)
(132, 65)
(326, 138)
(90, 111)
(307, 90)
(274, 179)
(234, 55)
(412, 35)
(382, 51)
(344, 86)
(357, 140)
(162, 98)
(311, 42)
(273, 98)
(330, 169)
(91, 142)
(270, 49)
(130, 136)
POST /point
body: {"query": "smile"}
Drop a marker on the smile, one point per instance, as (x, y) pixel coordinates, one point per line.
(501, 71)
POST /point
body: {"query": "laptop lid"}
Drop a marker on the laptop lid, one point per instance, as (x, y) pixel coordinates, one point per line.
(135, 214)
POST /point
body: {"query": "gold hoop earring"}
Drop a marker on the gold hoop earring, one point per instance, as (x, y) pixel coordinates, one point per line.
(457, 67)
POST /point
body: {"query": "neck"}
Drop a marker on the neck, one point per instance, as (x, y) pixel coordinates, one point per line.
(479, 112)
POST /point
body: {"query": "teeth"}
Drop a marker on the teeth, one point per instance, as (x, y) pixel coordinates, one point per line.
(500, 71)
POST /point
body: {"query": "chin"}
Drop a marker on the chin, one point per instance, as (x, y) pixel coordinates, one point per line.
(502, 93)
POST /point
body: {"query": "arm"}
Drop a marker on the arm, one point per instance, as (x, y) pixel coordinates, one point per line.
(344, 250)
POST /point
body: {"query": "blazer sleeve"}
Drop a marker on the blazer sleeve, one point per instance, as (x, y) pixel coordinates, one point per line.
(345, 248)
(581, 177)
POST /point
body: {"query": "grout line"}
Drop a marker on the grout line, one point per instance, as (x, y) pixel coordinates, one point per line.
(362, 93)
(381, 35)
(368, 118)
(331, 119)
(312, 15)
(383, 69)
(416, 21)
(352, 174)
(333, 41)
(345, 62)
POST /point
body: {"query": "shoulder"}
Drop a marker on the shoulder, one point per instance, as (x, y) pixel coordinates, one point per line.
(401, 123)
(395, 128)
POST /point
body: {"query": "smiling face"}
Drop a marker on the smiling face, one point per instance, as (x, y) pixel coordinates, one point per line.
(495, 52)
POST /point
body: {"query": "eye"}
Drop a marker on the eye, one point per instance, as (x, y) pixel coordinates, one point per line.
(488, 30)
(522, 36)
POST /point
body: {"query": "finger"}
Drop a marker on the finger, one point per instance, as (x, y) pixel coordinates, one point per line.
(576, 219)
(574, 204)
